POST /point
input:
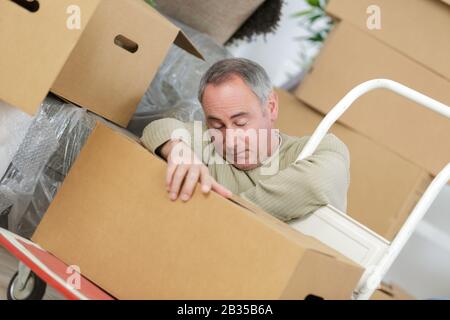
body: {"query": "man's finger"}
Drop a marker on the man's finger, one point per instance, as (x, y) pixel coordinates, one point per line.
(220, 189)
(190, 182)
(177, 181)
(205, 179)
(171, 167)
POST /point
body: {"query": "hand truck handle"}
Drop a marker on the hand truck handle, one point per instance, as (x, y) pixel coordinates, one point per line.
(366, 289)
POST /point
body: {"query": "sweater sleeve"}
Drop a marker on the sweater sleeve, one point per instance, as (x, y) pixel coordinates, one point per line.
(305, 186)
(159, 132)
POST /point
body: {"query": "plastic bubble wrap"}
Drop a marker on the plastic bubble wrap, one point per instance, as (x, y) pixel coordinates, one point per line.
(13, 125)
(50, 146)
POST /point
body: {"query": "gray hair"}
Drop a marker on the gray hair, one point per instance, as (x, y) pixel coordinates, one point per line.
(250, 72)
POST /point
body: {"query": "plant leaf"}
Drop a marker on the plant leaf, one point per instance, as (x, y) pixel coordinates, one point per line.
(314, 3)
(301, 13)
(151, 2)
(316, 38)
(315, 17)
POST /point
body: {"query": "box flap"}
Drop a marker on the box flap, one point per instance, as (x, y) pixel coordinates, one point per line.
(351, 57)
(35, 46)
(183, 42)
(319, 276)
(417, 28)
(391, 292)
(117, 57)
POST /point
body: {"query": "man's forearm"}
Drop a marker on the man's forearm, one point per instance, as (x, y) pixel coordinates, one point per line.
(158, 133)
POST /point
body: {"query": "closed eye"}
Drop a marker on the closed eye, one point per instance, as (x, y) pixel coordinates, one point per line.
(241, 124)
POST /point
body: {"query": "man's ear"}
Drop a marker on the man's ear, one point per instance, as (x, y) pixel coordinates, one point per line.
(273, 106)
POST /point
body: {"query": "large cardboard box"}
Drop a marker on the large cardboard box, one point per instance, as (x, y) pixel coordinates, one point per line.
(417, 28)
(351, 57)
(384, 187)
(76, 49)
(112, 217)
(220, 19)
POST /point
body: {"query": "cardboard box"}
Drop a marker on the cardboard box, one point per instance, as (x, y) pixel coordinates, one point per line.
(391, 292)
(351, 57)
(217, 18)
(85, 66)
(384, 187)
(112, 217)
(417, 28)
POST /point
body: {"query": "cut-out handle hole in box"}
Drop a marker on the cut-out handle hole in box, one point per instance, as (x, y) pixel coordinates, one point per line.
(30, 5)
(125, 43)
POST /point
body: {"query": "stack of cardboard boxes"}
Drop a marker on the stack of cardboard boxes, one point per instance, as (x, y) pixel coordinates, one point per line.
(112, 216)
(396, 145)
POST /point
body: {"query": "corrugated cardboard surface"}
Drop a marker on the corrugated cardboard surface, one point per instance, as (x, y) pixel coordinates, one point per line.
(417, 28)
(351, 57)
(34, 47)
(107, 79)
(220, 19)
(383, 186)
(83, 66)
(391, 292)
(112, 217)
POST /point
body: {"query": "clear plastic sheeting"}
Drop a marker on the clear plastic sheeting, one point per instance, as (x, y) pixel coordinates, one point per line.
(49, 148)
(14, 124)
(173, 92)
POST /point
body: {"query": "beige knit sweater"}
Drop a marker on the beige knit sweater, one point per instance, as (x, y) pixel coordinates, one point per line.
(296, 190)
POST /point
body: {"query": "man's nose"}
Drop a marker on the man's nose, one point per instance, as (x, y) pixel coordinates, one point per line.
(235, 140)
(230, 143)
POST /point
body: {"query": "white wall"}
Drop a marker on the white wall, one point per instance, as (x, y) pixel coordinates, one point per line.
(277, 53)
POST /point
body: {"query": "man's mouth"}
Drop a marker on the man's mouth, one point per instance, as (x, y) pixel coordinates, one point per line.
(243, 153)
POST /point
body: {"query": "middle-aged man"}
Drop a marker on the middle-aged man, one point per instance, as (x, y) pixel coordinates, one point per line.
(240, 152)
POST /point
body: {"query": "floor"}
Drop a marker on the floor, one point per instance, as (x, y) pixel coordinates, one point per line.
(8, 266)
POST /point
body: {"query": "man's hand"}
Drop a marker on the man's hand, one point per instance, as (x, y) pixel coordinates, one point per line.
(185, 170)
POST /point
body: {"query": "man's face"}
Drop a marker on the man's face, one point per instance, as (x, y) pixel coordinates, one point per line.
(240, 125)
